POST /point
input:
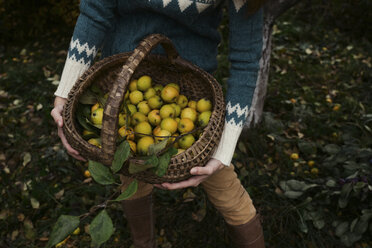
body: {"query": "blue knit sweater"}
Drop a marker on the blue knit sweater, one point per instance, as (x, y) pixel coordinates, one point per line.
(116, 26)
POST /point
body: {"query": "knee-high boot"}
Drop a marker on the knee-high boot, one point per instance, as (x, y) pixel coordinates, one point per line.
(141, 221)
(248, 235)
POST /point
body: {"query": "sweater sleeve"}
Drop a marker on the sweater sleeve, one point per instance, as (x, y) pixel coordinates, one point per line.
(95, 19)
(245, 49)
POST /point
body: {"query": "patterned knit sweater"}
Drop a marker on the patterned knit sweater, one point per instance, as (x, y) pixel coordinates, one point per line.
(116, 26)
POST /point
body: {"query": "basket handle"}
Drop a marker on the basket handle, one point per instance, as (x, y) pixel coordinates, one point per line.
(116, 95)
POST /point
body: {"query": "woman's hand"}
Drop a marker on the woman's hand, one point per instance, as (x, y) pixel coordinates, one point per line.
(200, 175)
(56, 113)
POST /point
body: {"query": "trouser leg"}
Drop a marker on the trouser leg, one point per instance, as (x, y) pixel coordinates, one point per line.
(226, 193)
(139, 213)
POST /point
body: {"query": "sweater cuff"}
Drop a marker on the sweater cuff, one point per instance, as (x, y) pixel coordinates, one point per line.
(228, 141)
(71, 72)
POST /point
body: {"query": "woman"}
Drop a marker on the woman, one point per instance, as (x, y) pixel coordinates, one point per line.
(192, 25)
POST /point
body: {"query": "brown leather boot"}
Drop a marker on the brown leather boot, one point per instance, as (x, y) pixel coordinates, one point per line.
(141, 221)
(248, 235)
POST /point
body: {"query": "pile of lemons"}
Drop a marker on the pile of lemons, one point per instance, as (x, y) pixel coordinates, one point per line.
(151, 113)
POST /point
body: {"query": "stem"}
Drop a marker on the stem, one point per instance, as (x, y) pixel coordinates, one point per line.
(93, 209)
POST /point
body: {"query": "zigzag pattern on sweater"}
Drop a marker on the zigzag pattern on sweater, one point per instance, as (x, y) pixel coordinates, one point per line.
(235, 115)
(81, 53)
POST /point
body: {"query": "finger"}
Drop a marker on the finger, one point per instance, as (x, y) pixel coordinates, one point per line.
(78, 157)
(206, 170)
(69, 149)
(159, 186)
(192, 182)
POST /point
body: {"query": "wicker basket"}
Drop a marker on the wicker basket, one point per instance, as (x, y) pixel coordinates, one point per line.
(114, 73)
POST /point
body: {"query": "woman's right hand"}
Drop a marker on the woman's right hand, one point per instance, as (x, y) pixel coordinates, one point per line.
(56, 113)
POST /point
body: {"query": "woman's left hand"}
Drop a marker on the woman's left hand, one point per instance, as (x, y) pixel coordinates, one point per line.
(200, 174)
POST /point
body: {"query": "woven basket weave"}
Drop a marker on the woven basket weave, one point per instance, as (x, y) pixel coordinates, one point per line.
(113, 75)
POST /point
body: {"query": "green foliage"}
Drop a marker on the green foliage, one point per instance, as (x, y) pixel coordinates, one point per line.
(64, 226)
(121, 155)
(100, 173)
(101, 229)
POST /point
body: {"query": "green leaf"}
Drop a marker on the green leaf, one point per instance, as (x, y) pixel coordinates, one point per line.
(164, 161)
(331, 149)
(131, 190)
(156, 148)
(293, 194)
(101, 229)
(341, 228)
(64, 226)
(121, 154)
(92, 124)
(344, 195)
(88, 97)
(307, 148)
(100, 173)
(82, 119)
(138, 167)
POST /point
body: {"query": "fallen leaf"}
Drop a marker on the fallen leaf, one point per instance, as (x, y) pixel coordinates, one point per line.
(59, 194)
(26, 158)
(35, 203)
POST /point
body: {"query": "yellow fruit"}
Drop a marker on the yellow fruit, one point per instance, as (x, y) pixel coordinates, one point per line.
(203, 105)
(143, 128)
(156, 130)
(143, 144)
(177, 109)
(310, 163)
(96, 116)
(167, 111)
(133, 85)
(150, 93)
(143, 107)
(294, 156)
(87, 173)
(158, 88)
(77, 231)
(169, 124)
(189, 113)
(176, 86)
(185, 125)
(182, 101)
(133, 146)
(169, 94)
(132, 109)
(123, 119)
(154, 117)
(164, 134)
(155, 102)
(186, 141)
(126, 132)
(137, 118)
(192, 104)
(144, 83)
(314, 171)
(94, 107)
(336, 107)
(203, 118)
(95, 142)
(136, 97)
(177, 119)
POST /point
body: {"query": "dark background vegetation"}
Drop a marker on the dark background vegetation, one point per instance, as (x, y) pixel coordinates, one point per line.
(318, 106)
